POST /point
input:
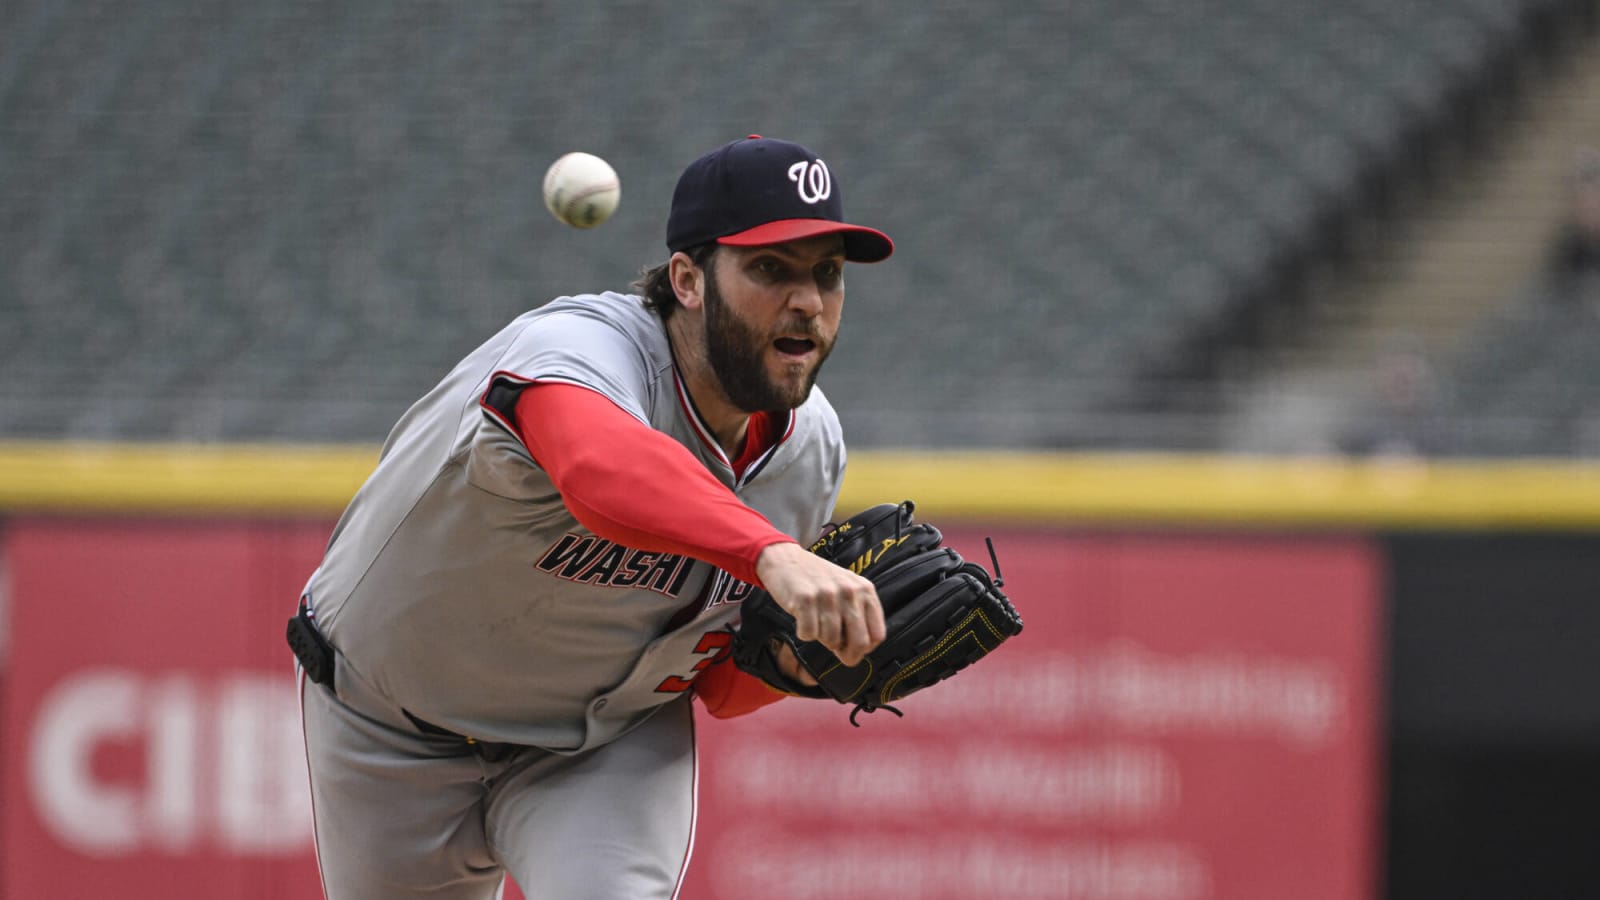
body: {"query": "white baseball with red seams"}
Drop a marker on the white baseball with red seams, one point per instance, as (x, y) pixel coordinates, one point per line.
(581, 189)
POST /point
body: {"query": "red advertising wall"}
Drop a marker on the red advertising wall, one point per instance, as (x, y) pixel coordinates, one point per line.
(152, 746)
(1183, 717)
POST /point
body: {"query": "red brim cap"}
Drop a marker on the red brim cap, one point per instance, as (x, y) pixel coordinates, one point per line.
(861, 244)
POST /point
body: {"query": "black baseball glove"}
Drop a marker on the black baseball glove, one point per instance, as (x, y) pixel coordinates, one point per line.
(941, 614)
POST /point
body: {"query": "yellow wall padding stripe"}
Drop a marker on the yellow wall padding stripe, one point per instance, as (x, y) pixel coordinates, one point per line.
(1235, 490)
(180, 478)
(1031, 487)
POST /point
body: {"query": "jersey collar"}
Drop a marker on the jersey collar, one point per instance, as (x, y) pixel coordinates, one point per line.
(752, 464)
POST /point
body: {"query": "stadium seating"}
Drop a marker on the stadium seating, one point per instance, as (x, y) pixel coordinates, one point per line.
(236, 221)
(1526, 383)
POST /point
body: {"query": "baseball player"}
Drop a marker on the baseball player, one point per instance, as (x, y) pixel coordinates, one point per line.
(499, 649)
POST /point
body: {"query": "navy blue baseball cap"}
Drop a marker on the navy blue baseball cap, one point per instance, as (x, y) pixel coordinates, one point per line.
(758, 191)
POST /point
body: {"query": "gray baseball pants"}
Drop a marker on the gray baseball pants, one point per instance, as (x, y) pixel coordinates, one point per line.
(401, 814)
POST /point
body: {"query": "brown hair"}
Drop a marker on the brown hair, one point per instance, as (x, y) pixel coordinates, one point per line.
(655, 283)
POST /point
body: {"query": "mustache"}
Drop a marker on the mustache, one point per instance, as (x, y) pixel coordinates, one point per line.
(807, 328)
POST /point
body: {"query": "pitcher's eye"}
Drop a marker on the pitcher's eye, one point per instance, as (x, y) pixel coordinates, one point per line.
(770, 268)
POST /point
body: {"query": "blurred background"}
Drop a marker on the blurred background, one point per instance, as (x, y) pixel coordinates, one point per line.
(1188, 283)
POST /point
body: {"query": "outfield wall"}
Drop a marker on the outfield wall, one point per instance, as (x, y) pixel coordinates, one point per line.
(1239, 679)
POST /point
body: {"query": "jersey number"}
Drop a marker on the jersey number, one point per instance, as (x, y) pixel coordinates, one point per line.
(716, 643)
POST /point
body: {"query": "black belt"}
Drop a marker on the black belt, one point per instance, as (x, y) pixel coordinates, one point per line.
(490, 751)
(316, 658)
(310, 647)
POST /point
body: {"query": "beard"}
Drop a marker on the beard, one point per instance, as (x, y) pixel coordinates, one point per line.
(737, 354)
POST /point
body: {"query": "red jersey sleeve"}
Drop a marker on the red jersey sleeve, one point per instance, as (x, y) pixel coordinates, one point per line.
(726, 691)
(633, 485)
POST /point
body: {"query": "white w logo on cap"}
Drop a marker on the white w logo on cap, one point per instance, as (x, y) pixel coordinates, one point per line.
(812, 180)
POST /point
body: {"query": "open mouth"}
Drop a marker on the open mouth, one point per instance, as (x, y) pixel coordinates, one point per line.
(791, 346)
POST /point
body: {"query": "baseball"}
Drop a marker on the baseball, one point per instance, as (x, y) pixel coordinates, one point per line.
(582, 190)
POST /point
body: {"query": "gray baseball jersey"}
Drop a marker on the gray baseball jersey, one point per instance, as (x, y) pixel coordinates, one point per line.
(461, 593)
(459, 586)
